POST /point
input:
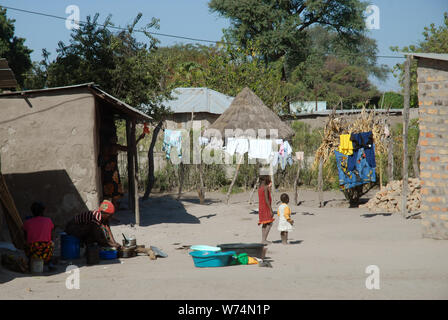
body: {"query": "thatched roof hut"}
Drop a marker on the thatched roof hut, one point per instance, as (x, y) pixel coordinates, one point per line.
(248, 112)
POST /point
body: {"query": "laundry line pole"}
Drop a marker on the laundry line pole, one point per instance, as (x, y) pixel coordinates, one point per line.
(407, 85)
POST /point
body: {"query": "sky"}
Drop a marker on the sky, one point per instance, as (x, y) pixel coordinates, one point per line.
(401, 22)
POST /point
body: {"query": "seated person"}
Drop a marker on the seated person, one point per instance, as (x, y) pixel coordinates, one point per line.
(93, 226)
(39, 232)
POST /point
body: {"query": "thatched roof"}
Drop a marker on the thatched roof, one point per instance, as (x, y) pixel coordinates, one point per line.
(247, 112)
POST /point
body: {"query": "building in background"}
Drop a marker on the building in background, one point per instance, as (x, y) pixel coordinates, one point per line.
(197, 104)
(307, 107)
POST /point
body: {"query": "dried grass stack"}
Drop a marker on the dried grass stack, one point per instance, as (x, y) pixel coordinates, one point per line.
(335, 126)
(389, 198)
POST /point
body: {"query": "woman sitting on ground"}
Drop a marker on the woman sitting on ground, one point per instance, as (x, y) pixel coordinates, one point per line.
(39, 232)
(93, 226)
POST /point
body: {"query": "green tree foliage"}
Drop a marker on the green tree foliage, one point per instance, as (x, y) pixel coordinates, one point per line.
(393, 100)
(332, 80)
(227, 69)
(279, 27)
(435, 40)
(124, 67)
(13, 48)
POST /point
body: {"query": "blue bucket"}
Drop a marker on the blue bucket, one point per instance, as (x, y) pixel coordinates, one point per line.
(205, 259)
(108, 254)
(70, 247)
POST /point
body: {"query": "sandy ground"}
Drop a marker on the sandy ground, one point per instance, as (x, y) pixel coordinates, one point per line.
(327, 258)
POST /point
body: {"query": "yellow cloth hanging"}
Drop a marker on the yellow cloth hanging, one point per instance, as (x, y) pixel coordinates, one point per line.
(345, 144)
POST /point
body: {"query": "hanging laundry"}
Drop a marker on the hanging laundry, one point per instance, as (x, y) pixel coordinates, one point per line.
(274, 158)
(361, 174)
(203, 141)
(363, 140)
(345, 144)
(278, 141)
(215, 143)
(172, 139)
(238, 145)
(260, 148)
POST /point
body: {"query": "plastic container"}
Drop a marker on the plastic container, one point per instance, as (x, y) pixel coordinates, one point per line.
(252, 249)
(37, 265)
(207, 259)
(205, 248)
(108, 254)
(70, 247)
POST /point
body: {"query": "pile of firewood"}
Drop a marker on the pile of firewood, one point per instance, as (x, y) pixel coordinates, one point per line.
(389, 199)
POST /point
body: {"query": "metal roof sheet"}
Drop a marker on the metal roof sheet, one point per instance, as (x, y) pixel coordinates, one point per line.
(94, 89)
(187, 100)
(435, 56)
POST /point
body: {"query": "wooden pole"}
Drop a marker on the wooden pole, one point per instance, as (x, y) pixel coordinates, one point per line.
(255, 187)
(181, 179)
(131, 191)
(296, 181)
(233, 180)
(320, 183)
(135, 176)
(407, 85)
(201, 192)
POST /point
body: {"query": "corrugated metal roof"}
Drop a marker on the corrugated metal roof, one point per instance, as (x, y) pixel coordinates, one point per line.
(94, 89)
(187, 100)
(435, 56)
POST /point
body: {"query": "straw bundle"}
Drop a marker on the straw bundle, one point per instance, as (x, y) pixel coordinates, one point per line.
(335, 126)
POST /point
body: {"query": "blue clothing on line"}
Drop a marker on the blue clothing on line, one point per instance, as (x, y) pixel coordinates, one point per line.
(172, 138)
(361, 174)
(362, 140)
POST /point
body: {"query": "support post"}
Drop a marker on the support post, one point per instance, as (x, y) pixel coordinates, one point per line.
(296, 181)
(233, 180)
(130, 159)
(407, 84)
(135, 176)
(320, 183)
(181, 179)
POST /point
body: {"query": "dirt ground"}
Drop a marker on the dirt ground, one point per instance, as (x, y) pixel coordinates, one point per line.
(327, 258)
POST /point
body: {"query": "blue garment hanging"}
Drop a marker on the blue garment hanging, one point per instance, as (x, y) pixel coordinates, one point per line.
(361, 174)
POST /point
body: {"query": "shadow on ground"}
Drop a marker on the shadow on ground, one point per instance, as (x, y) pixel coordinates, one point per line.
(370, 215)
(156, 210)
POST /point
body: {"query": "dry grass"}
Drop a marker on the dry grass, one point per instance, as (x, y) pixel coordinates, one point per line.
(335, 126)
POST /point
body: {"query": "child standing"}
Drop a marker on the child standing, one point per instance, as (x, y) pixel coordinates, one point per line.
(285, 222)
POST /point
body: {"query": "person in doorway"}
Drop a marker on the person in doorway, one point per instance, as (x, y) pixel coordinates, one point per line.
(285, 222)
(93, 226)
(112, 187)
(39, 235)
(265, 213)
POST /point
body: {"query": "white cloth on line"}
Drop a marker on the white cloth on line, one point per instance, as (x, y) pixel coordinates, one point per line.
(237, 145)
(260, 149)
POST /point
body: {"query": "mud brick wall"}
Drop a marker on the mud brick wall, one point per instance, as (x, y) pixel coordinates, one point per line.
(432, 78)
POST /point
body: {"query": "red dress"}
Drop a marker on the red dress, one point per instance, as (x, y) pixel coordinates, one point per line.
(264, 214)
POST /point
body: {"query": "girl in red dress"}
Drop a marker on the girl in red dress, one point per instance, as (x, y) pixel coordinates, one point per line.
(265, 213)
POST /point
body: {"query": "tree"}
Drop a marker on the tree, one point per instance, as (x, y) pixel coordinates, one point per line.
(13, 48)
(393, 100)
(435, 41)
(127, 69)
(225, 68)
(279, 27)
